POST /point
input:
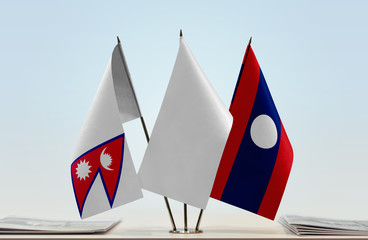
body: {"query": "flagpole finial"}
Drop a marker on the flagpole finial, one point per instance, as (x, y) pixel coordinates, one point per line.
(118, 39)
(250, 41)
(181, 33)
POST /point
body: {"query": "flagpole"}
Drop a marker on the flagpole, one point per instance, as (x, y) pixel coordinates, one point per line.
(246, 55)
(245, 58)
(165, 198)
(144, 128)
(185, 218)
(199, 220)
(185, 205)
(241, 69)
(201, 212)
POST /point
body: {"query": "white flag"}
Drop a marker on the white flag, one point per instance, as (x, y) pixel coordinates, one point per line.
(103, 173)
(188, 138)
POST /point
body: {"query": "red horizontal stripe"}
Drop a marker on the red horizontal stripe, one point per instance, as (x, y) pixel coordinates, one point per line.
(240, 109)
(276, 186)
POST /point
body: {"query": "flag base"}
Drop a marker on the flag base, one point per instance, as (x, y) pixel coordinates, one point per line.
(182, 231)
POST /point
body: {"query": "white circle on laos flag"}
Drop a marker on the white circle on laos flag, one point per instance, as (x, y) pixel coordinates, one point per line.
(263, 132)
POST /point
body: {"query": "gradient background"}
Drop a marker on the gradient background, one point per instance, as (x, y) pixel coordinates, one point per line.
(313, 55)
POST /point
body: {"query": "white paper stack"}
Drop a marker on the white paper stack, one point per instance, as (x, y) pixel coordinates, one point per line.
(11, 225)
(321, 226)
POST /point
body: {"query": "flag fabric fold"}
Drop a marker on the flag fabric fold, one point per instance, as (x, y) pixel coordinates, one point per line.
(188, 137)
(103, 174)
(258, 156)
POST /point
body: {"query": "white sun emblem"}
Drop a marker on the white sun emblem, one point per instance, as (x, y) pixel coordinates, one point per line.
(83, 170)
(106, 160)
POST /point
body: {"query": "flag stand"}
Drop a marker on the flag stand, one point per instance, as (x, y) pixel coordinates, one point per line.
(145, 131)
(186, 230)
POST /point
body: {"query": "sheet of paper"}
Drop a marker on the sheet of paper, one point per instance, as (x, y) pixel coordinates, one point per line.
(301, 225)
(36, 225)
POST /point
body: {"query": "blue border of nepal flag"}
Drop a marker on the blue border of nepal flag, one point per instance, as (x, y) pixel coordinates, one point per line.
(105, 160)
(103, 174)
(258, 156)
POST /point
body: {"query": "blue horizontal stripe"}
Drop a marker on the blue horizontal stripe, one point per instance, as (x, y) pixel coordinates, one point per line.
(253, 166)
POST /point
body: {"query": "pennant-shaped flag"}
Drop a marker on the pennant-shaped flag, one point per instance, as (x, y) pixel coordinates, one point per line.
(188, 138)
(257, 158)
(103, 174)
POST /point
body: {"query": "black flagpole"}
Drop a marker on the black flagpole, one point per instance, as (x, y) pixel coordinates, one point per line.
(245, 58)
(246, 55)
(185, 205)
(148, 138)
(165, 198)
(199, 220)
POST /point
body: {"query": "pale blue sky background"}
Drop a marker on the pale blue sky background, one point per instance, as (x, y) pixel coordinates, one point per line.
(313, 55)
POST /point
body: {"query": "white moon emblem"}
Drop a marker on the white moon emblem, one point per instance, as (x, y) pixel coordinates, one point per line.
(105, 160)
(263, 132)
